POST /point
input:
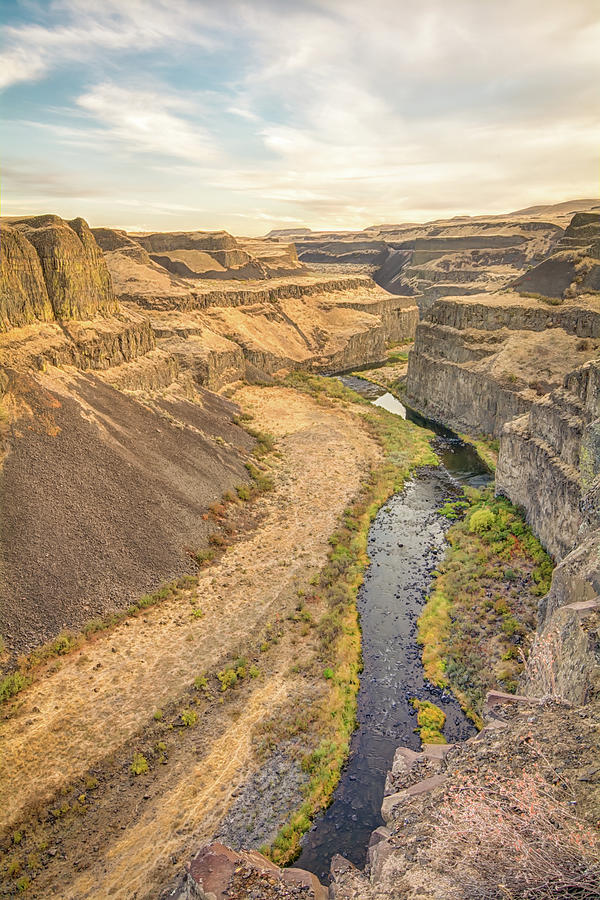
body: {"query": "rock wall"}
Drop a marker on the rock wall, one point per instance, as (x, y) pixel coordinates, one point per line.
(76, 282)
(574, 267)
(23, 294)
(549, 460)
(479, 362)
(436, 259)
(166, 269)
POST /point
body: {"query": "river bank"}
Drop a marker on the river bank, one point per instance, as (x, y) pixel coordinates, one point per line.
(91, 820)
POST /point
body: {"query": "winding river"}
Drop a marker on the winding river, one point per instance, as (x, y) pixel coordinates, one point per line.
(406, 543)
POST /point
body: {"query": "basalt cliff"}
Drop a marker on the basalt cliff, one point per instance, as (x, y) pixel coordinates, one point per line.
(444, 258)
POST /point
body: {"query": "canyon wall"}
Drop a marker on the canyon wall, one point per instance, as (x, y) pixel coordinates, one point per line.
(479, 362)
(444, 258)
(108, 361)
(51, 269)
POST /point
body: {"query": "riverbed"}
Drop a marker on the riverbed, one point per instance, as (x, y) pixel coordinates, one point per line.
(405, 544)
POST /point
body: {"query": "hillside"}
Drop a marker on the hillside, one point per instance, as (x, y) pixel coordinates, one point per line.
(107, 360)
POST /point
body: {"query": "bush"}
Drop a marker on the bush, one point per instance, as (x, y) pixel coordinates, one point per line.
(189, 717)
(12, 684)
(227, 677)
(481, 520)
(514, 838)
(430, 719)
(244, 492)
(204, 557)
(139, 765)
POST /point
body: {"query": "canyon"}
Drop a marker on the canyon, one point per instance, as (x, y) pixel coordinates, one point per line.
(163, 438)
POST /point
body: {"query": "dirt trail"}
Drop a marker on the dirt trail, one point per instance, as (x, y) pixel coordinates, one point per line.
(107, 692)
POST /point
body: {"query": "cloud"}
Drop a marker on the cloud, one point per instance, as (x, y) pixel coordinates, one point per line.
(90, 28)
(148, 121)
(330, 112)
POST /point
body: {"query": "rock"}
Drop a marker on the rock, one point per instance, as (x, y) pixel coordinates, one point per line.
(77, 281)
(23, 295)
(391, 803)
(306, 880)
(218, 873)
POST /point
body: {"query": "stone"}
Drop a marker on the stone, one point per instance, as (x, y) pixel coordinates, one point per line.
(75, 274)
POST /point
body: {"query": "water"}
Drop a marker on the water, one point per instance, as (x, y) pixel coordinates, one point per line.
(406, 543)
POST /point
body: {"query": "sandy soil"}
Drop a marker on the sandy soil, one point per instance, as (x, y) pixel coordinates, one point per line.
(385, 375)
(88, 711)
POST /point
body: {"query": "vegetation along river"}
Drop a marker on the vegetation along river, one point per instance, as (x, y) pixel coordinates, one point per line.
(406, 543)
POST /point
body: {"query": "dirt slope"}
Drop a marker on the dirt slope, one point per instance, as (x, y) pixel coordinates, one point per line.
(102, 497)
(91, 710)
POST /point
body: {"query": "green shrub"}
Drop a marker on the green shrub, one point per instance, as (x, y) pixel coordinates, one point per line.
(13, 867)
(481, 520)
(227, 677)
(189, 717)
(139, 765)
(204, 557)
(262, 481)
(430, 719)
(11, 684)
(243, 491)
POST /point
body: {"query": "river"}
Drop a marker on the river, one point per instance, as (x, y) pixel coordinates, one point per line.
(405, 544)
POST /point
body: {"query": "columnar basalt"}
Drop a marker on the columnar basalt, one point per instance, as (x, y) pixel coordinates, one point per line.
(75, 273)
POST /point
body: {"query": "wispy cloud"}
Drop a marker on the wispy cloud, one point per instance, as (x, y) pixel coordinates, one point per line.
(87, 27)
(332, 112)
(150, 121)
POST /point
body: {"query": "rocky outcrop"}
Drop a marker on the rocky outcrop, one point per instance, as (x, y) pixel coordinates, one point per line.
(218, 873)
(75, 273)
(574, 267)
(98, 343)
(165, 268)
(549, 460)
(51, 269)
(479, 362)
(323, 324)
(330, 327)
(460, 256)
(23, 294)
(437, 259)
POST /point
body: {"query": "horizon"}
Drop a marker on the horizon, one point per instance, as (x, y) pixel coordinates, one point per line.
(260, 116)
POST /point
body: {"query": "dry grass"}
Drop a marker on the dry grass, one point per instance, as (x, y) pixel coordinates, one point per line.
(515, 839)
(95, 700)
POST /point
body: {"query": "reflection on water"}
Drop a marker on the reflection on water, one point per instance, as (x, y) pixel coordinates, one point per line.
(391, 403)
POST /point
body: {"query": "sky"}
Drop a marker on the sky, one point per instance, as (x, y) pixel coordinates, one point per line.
(183, 114)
